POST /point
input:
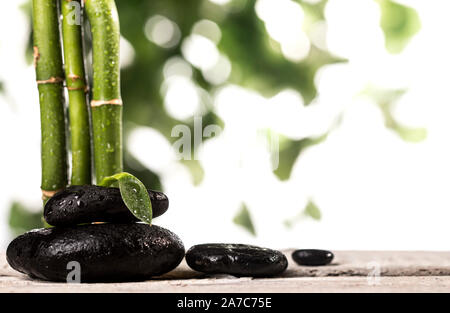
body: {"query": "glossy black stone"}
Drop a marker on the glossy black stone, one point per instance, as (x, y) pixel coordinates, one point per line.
(312, 257)
(236, 259)
(105, 252)
(87, 204)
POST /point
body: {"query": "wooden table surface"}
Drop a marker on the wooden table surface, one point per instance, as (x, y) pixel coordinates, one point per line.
(350, 271)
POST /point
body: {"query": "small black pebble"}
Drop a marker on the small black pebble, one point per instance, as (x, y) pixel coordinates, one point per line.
(312, 257)
(105, 252)
(236, 259)
(88, 204)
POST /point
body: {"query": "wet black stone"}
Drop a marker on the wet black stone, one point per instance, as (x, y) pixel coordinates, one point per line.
(87, 204)
(312, 257)
(105, 252)
(236, 259)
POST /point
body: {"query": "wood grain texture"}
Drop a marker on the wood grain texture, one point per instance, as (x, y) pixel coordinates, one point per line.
(401, 271)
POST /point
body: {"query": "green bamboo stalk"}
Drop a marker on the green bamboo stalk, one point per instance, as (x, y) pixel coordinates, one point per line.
(106, 104)
(76, 86)
(49, 77)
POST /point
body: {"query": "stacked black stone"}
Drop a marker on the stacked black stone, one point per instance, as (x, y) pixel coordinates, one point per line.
(114, 248)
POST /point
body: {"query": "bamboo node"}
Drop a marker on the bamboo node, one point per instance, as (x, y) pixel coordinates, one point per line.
(73, 77)
(97, 103)
(84, 88)
(46, 194)
(36, 55)
(51, 80)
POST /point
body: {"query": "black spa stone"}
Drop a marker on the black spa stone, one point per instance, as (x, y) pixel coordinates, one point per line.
(105, 252)
(236, 260)
(87, 204)
(312, 257)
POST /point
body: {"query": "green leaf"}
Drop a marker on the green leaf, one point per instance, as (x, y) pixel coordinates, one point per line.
(399, 23)
(134, 195)
(243, 219)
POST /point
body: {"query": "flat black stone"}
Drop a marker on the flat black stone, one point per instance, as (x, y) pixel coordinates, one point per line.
(236, 260)
(312, 257)
(105, 252)
(88, 204)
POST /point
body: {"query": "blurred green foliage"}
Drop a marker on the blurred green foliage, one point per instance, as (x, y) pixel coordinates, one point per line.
(246, 43)
(22, 219)
(257, 63)
(399, 24)
(310, 211)
(386, 99)
(290, 150)
(313, 211)
(146, 176)
(244, 220)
